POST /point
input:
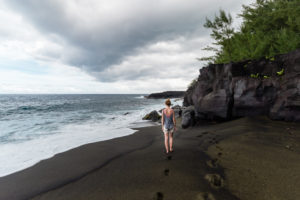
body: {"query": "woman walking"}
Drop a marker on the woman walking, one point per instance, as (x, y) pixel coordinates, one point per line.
(168, 124)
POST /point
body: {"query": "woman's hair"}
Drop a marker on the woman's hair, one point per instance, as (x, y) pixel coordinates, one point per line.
(168, 102)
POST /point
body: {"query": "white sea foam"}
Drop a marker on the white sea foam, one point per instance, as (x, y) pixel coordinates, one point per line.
(140, 97)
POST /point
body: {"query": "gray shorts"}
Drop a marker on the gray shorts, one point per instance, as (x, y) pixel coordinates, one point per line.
(168, 130)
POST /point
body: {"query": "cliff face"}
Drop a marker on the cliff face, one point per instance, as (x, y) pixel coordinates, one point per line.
(262, 87)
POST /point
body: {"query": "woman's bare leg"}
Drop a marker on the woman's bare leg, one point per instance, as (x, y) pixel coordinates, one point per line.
(171, 141)
(166, 141)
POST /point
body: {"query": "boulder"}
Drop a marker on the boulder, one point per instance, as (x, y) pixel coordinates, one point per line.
(153, 116)
(176, 107)
(177, 110)
(188, 117)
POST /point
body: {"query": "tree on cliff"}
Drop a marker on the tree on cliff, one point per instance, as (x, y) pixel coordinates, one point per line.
(269, 27)
(222, 32)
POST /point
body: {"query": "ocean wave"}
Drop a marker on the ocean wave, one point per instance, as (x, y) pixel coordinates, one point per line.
(140, 97)
(35, 109)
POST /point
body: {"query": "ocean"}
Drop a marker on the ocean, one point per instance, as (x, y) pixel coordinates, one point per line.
(36, 127)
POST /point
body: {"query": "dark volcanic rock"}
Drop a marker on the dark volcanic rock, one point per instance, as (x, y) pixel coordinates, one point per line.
(167, 94)
(177, 110)
(153, 116)
(176, 107)
(226, 91)
(188, 117)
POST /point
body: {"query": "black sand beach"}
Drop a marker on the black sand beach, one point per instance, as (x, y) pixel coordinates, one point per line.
(248, 158)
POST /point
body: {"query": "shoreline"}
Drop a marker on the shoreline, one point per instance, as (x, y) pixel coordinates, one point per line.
(132, 127)
(204, 165)
(57, 161)
(48, 130)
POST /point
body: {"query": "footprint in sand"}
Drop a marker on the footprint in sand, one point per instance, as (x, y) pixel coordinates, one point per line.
(213, 141)
(166, 172)
(159, 196)
(203, 133)
(212, 163)
(205, 196)
(218, 147)
(215, 180)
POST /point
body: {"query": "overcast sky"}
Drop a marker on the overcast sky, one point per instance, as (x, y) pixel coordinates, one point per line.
(115, 46)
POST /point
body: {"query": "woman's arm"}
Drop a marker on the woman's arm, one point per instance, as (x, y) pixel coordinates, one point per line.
(162, 119)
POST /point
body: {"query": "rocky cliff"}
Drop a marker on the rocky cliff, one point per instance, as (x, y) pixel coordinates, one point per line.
(254, 87)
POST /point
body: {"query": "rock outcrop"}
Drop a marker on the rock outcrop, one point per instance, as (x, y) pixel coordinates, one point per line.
(153, 116)
(188, 117)
(259, 87)
(167, 94)
(177, 110)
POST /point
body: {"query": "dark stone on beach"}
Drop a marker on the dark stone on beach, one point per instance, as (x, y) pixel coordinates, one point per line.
(153, 116)
(227, 91)
(188, 117)
(126, 113)
(176, 107)
(177, 110)
(165, 95)
(215, 180)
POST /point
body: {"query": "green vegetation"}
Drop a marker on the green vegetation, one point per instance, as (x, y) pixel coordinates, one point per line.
(254, 75)
(280, 72)
(269, 27)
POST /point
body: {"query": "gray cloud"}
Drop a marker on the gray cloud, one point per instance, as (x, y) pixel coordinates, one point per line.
(116, 39)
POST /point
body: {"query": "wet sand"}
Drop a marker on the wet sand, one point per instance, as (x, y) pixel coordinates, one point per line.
(249, 158)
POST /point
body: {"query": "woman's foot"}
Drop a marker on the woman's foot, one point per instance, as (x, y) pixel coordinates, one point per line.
(171, 150)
